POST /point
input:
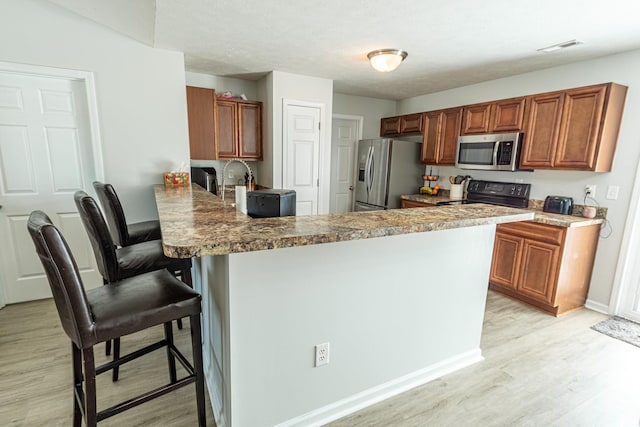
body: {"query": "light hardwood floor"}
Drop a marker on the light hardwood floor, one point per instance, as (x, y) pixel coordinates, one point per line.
(538, 371)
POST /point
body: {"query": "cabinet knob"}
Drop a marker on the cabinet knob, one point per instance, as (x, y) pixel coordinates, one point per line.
(350, 189)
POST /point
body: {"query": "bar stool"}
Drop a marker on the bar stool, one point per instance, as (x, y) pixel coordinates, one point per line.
(109, 312)
(124, 234)
(115, 264)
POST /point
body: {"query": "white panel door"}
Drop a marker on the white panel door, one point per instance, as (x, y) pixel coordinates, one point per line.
(45, 156)
(302, 155)
(344, 137)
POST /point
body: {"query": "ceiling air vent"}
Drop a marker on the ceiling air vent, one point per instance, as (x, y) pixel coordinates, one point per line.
(559, 46)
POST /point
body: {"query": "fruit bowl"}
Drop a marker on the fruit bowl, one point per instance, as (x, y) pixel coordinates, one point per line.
(430, 177)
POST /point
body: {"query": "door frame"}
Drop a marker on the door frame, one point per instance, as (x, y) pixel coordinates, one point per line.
(87, 78)
(359, 135)
(627, 273)
(322, 174)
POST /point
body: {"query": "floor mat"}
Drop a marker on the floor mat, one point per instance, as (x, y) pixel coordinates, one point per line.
(619, 328)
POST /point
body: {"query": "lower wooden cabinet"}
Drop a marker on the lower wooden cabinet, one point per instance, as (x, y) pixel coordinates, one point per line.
(545, 266)
(413, 204)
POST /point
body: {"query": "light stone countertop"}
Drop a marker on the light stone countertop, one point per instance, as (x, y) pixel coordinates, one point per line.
(541, 217)
(194, 222)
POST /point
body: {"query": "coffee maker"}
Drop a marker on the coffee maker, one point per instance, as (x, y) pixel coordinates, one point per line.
(205, 178)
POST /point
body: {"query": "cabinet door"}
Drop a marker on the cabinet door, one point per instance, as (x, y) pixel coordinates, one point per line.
(226, 129)
(413, 204)
(250, 130)
(411, 123)
(541, 130)
(430, 138)
(580, 127)
(389, 126)
(507, 115)
(505, 263)
(476, 119)
(201, 123)
(450, 121)
(539, 270)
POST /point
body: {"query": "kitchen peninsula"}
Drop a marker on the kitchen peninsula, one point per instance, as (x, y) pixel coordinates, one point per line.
(398, 294)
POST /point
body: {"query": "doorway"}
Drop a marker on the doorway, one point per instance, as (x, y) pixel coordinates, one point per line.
(49, 148)
(301, 154)
(625, 297)
(346, 131)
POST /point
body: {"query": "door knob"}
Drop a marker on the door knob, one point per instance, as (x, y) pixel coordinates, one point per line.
(350, 188)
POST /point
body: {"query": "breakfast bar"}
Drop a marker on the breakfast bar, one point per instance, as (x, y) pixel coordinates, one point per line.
(399, 296)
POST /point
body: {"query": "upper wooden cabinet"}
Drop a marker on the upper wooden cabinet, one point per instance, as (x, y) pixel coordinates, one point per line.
(223, 128)
(575, 129)
(409, 124)
(239, 129)
(440, 137)
(201, 122)
(505, 115)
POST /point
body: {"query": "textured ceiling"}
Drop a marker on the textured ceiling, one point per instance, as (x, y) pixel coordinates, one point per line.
(450, 44)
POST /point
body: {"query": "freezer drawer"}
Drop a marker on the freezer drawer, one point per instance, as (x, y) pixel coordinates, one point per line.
(363, 207)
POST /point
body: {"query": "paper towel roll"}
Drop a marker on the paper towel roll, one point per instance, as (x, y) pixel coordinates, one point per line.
(241, 198)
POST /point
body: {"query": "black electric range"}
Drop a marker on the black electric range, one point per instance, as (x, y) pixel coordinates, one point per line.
(515, 195)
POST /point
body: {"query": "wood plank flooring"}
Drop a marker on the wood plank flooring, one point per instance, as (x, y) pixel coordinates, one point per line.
(538, 371)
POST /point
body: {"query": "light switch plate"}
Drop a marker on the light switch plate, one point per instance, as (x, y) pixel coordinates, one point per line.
(612, 192)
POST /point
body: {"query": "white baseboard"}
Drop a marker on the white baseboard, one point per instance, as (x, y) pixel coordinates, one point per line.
(596, 306)
(384, 391)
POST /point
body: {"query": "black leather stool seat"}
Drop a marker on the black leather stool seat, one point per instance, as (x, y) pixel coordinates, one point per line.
(147, 256)
(146, 300)
(143, 231)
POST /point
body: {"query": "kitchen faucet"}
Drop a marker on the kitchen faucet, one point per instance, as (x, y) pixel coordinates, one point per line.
(224, 172)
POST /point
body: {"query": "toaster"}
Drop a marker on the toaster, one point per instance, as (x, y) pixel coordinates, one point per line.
(558, 204)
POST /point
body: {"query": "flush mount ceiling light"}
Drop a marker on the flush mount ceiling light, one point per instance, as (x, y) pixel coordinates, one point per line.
(386, 60)
(559, 46)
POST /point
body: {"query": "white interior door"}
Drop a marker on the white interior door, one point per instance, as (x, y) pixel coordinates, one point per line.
(45, 156)
(345, 133)
(302, 156)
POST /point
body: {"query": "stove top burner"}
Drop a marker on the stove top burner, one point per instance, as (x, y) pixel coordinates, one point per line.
(510, 194)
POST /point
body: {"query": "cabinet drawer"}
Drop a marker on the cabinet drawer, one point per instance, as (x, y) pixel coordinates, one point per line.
(532, 230)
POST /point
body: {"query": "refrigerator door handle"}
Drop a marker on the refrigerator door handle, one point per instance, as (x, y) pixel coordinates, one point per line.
(371, 170)
(366, 172)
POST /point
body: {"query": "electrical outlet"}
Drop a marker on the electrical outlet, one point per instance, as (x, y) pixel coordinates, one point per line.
(590, 190)
(612, 192)
(322, 354)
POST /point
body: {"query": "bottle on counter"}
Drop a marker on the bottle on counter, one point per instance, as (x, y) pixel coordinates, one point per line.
(251, 185)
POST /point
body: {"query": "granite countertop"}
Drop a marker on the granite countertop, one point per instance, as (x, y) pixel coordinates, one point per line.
(194, 222)
(535, 206)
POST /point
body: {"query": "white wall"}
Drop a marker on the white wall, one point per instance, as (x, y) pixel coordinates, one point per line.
(282, 86)
(622, 69)
(140, 92)
(371, 109)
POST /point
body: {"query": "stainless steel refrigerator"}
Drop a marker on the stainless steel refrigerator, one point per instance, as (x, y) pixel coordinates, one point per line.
(386, 168)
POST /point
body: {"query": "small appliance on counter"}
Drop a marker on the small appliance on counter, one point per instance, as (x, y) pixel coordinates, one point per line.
(205, 178)
(270, 203)
(558, 204)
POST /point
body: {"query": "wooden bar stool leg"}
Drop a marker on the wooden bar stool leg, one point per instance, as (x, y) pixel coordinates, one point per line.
(196, 346)
(116, 356)
(78, 405)
(107, 348)
(168, 334)
(90, 408)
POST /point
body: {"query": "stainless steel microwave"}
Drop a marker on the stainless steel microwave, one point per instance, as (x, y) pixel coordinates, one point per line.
(497, 151)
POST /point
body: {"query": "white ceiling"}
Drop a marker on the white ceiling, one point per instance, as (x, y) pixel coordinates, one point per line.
(450, 43)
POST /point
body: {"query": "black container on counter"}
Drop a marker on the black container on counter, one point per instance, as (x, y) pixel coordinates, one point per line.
(270, 203)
